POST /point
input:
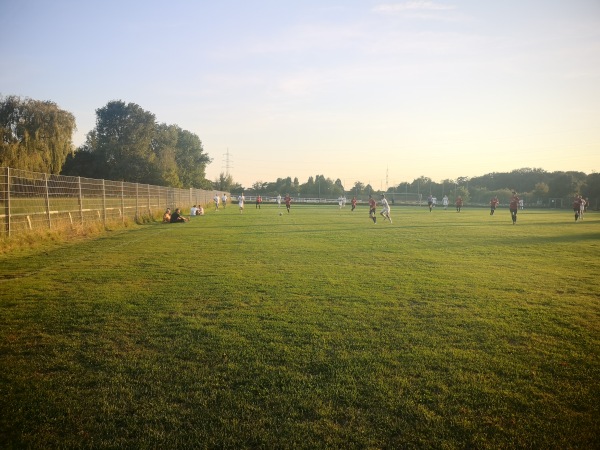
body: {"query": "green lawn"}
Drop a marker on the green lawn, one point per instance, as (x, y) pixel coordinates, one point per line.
(315, 329)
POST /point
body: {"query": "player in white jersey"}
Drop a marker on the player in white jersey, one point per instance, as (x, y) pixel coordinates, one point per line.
(385, 208)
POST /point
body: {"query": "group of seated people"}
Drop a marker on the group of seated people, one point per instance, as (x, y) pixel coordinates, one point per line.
(175, 217)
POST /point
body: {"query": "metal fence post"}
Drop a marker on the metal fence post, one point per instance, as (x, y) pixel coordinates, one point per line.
(103, 203)
(149, 209)
(47, 201)
(137, 206)
(7, 201)
(80, 200)
(122, 202)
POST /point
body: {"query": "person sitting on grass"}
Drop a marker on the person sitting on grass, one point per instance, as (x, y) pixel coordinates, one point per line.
(200, 211)
(167, 216)
(176, 217)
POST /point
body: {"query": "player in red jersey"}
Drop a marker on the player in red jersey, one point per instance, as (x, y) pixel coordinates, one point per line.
(514, 207)
(288, 202)
(459, 203)
(493, 203)
(372, 205)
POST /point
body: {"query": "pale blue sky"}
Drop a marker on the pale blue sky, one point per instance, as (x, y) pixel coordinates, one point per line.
(349, 89)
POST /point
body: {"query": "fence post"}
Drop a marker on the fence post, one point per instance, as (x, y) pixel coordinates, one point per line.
(137, 203)
(80, 200)
(7, 201)
(122, 202)
(47, 201)
(103, 203)
(149, 210)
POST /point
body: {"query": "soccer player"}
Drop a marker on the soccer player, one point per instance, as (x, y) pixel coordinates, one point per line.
(372, 205)
(493, 203)
(577, 207)
(514, 207)
(216, 200)
(224, 200)
(241, 200)
(278, 200)
(459, 203)
(288, 202)
(385, 208)
(430, 202)
(445, 202)
(258, 201)
(353, 203)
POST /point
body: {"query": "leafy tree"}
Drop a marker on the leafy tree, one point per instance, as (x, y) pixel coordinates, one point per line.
(127, 144)
(191, 160)
(562, 185)
(541, 190)
(34, 135)
(591, 189)
(260, 186)
(224, 182)
(358, 188)
(124, 141)
(163, 167)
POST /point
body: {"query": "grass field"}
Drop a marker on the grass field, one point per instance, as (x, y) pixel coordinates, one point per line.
(315, 329)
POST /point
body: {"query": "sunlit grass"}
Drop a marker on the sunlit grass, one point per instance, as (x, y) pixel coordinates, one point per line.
(311, 329)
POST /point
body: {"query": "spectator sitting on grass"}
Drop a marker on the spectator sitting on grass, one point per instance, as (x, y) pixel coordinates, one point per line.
(167, 216)
(200, 211)
(176, 217)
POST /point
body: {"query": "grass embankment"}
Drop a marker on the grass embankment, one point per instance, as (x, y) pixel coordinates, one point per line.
(308, 330)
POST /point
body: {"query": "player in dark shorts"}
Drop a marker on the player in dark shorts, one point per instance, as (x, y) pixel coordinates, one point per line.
(514, 207)
(372, 205)
(493, 203)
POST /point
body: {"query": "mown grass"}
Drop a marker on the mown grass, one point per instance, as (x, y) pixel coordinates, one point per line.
(309, 330)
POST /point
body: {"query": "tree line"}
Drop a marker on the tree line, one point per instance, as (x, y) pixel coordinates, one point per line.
(536, 186)
(128, 144)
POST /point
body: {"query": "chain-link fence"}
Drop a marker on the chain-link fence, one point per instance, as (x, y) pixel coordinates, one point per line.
(33, 201)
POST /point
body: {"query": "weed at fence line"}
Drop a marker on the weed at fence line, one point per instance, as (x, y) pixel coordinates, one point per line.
(61, 234)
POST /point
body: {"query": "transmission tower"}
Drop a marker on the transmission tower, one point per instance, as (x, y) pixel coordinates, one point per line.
(387, 172)
(227, 162)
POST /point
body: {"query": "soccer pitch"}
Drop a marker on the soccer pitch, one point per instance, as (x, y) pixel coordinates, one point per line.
(313, 329)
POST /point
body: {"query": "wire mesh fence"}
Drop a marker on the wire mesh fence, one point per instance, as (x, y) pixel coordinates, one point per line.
(34, 201)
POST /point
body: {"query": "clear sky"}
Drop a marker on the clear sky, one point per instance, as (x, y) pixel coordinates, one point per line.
(356, 90)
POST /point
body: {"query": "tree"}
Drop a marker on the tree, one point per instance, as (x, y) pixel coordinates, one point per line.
(124, 134)
(34, 135)
(358, 188)
(541, 190)
(127, 144)
(260, 186)
(163, 167)
(191, 160)
(224, 182)
(591, 189)
(562, 185)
